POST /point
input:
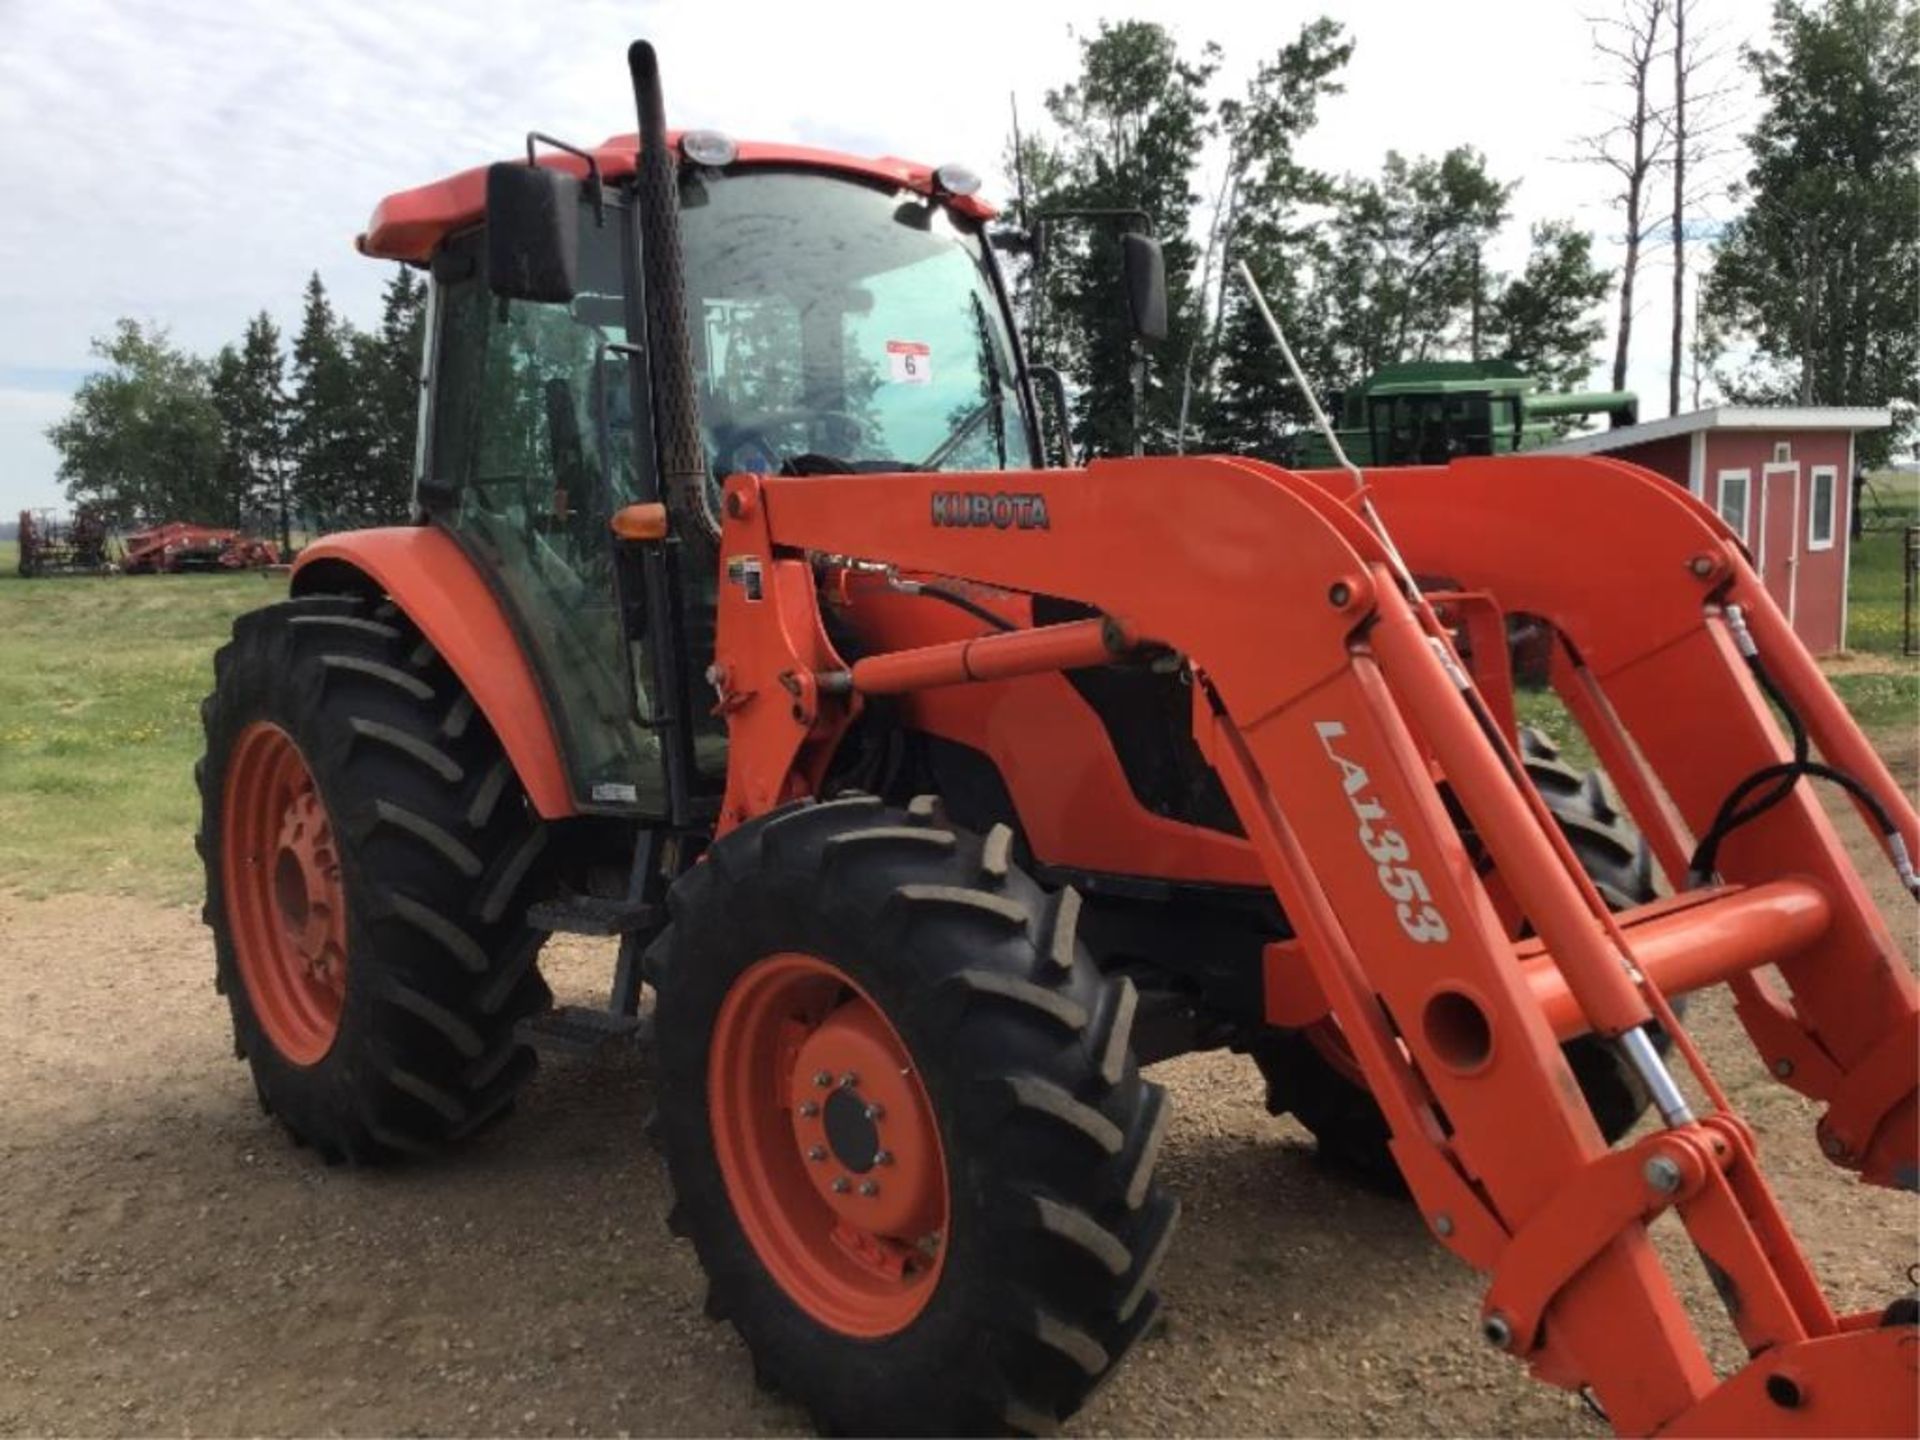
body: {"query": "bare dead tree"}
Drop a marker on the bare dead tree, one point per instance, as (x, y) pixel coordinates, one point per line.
(1696, 125)
(1635, 144)
(1698, 143)
(1678, 226)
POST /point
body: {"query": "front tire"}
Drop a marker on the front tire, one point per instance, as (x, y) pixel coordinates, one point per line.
(369, 859)
(998, 1262)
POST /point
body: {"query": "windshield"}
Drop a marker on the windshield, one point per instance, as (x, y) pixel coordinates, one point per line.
(840, 326)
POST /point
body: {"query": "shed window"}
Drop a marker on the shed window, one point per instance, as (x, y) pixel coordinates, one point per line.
(1821, 507)
(1734, 485)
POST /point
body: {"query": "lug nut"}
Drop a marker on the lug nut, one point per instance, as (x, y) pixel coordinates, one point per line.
(816, 1152)
(883, 1157)
(822, 1079)
(841, 1185)
(849, 1080)
(869, 1189)
(809, 1109)
(875, 1112)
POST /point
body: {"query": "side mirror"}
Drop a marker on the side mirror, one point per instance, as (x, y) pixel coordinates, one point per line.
(533, 233)
(1146, 278)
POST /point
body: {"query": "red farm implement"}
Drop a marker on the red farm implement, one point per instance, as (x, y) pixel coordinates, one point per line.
(52, 546)
(177, 547)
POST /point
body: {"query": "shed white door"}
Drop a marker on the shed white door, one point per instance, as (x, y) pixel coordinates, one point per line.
(1779, 533)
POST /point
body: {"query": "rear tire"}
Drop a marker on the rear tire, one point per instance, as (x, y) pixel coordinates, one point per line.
(1051, 1224)
(397, 1034)
(1337, 1110)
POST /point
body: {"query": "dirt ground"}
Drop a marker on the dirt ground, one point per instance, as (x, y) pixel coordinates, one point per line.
(170, 1265)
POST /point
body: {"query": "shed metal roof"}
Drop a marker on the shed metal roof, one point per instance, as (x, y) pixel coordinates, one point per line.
(1727, 417)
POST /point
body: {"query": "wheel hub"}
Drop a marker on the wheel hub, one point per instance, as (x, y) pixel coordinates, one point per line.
(306, 882)
(854, 1096)
(853, 1134)
(285, 899)
(828, 1143)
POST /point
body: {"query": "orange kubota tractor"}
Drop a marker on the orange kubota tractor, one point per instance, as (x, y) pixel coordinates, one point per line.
(935, 791)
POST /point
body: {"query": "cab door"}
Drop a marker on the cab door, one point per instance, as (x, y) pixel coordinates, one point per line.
(529, 452)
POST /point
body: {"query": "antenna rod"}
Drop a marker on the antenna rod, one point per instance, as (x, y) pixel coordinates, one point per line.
(1299, 376)
(1371, 515)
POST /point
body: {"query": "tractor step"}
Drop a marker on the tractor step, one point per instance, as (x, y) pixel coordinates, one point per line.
(580, 1032)
(593, 915)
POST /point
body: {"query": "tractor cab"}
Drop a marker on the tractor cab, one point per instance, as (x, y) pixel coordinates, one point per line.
(843, 316)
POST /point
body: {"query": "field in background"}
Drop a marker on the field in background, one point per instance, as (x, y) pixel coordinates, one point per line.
(101, 681)
(1874, 587)
(100, 687)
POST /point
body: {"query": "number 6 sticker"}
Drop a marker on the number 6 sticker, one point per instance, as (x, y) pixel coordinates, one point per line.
(910, 362)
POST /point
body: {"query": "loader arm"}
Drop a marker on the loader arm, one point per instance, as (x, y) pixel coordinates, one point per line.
(1331, 702)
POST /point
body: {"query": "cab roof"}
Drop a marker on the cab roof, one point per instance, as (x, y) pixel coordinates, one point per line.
(410, 224)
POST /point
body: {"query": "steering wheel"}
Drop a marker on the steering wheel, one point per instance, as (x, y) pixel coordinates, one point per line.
(756, 425)
(525, 489)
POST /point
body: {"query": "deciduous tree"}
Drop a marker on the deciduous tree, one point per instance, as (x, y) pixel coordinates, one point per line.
(1127, 133)
(1819, 280)
(1264, 213)
(142, 441)
(1546, 320)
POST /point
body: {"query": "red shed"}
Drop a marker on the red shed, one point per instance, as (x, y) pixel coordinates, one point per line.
(1780, 477)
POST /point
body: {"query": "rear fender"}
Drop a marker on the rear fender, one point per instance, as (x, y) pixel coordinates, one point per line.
(429, 577)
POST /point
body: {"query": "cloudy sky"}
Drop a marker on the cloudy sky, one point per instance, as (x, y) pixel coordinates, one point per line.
(190, 161)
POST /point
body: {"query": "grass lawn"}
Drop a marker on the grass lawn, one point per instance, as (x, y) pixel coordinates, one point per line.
(100, 687)
(1885, 693)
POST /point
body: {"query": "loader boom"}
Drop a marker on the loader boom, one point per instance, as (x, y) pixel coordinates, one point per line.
(1331, 702)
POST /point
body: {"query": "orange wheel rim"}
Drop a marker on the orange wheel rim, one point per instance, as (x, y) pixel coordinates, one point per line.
(828, 1145)
(286, 906)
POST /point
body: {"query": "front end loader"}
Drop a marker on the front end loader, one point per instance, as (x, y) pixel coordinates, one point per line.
(934, 793)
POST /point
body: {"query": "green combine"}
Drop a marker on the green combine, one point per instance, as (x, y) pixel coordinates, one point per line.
(1428, 412)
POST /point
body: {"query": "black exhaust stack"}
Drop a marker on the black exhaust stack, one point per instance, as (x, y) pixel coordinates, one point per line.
(676, 409)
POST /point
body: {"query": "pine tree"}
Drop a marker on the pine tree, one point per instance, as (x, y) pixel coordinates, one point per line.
(249, 391)
(388, 362)
(322, 418)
